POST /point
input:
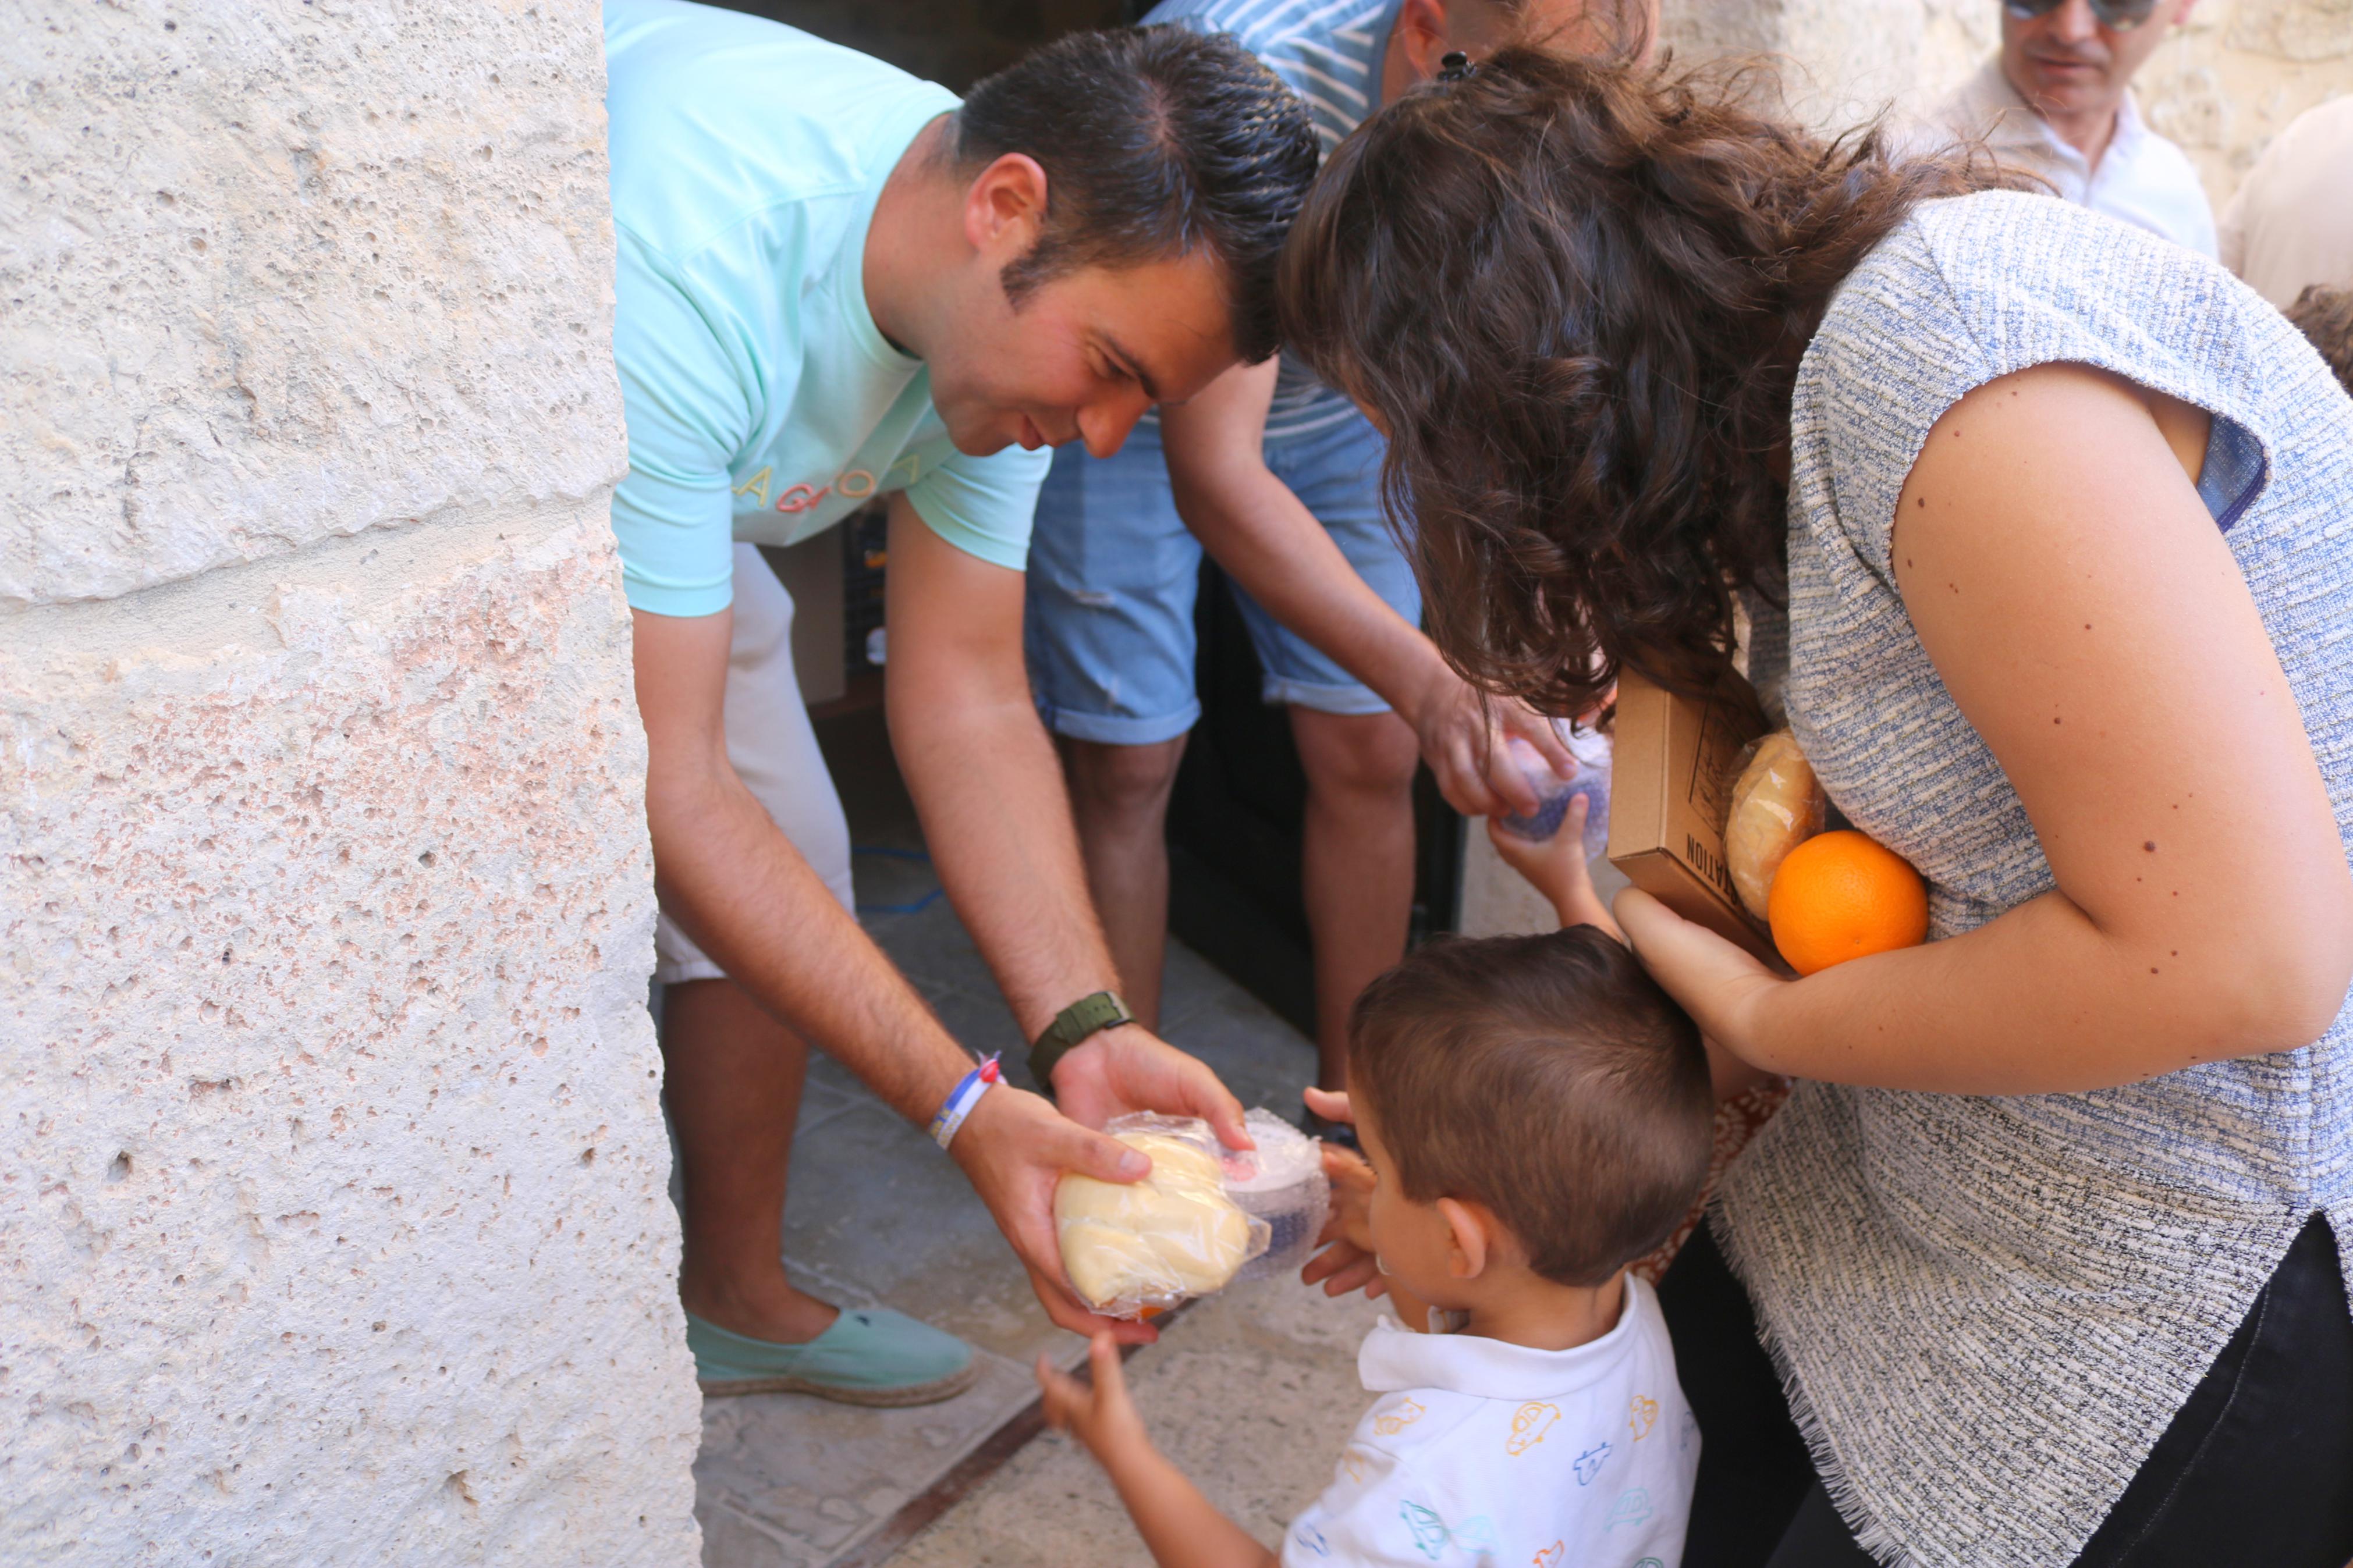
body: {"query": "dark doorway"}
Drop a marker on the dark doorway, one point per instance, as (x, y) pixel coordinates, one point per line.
(1234, 827)
(951, 42)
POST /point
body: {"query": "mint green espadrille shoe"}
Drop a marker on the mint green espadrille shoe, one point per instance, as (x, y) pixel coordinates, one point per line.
(870, 1356)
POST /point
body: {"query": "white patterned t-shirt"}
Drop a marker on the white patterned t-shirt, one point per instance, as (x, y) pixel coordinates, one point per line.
(1478, 1452)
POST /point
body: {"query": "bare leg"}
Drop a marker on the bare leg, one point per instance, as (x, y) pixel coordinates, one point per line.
(1357, 865)
(1119, 797)
(734, 1084)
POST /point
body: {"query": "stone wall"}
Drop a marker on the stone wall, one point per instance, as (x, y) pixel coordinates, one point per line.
(333, 1214)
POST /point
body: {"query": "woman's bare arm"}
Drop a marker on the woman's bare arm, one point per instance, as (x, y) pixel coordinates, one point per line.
(2090, 621)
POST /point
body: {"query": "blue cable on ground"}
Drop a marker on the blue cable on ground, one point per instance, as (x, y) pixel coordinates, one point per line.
(920, 905)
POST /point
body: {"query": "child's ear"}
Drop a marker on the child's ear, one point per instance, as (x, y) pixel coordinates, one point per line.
(1471, 1237)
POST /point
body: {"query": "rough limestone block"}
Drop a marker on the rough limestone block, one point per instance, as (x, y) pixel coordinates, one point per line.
(334, 1212)
(333, 1221)
(272, 271)
(2194, 109)
(1837, 62)
(2295, 29)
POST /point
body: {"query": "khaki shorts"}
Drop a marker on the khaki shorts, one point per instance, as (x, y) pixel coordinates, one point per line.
(773, 752)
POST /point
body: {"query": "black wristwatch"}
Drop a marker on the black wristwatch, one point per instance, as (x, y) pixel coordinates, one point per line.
(1086, 1016)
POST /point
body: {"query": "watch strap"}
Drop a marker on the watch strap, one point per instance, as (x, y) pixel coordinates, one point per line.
(1086, 1016)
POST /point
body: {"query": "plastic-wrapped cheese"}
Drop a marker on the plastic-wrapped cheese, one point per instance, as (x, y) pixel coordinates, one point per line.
(1776, 806)
(1281, 1181)
(1156, 1242)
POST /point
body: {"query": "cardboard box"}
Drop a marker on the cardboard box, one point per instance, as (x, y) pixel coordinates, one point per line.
(1675, 760)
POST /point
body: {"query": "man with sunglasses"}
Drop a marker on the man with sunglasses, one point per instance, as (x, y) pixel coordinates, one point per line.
(2057, 101)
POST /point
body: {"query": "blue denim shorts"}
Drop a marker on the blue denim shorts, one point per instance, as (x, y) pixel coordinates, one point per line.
(1113, 573)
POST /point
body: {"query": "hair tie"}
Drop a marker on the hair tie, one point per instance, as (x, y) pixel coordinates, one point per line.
(1455, 65)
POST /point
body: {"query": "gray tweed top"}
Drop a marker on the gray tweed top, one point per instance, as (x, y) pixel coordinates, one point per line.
(1988, 1309)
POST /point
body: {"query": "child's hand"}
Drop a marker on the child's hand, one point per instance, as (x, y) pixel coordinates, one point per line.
(1555, 868)
(1102, 1417)
(1347, 1261)
(1181, 1527)
(1352, 1197)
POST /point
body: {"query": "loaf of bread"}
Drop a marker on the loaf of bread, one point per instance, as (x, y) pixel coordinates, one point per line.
(1776, 806)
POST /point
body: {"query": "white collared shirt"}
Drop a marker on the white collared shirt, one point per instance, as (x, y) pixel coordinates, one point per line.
(2142, 179)
(1483, 1452)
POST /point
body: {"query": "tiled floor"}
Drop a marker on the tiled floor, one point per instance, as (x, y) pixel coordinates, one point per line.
(1252, 1394)
(878, 1217)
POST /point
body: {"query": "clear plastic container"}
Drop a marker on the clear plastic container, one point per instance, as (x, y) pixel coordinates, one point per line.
(1281, 1182)
(1591, 780)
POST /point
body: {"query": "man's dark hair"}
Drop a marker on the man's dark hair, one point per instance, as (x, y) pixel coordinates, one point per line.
(1547, 1078)
(1156, 142)
(2325, 316)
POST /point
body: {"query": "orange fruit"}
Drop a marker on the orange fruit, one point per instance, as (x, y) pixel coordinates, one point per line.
(1841, 895)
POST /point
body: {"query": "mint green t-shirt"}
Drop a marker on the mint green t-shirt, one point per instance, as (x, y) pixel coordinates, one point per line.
(762, 403)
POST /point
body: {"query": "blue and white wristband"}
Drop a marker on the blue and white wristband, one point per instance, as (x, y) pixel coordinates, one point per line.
(961, 1100)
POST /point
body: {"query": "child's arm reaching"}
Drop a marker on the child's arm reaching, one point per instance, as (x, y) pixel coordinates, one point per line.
(1180, 1527)
(1555, 868)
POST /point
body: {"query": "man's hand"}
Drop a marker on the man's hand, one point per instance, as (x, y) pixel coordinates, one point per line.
(1014, 1149)
(1464, 740)
(1129, 1068)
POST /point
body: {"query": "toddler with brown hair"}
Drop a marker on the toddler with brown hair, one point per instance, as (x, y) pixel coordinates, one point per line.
(1537, 1114)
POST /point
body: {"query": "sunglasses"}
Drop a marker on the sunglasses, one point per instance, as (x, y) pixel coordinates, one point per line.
(2118, 16)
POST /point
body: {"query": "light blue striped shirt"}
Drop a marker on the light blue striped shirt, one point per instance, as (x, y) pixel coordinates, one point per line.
(1329, 53)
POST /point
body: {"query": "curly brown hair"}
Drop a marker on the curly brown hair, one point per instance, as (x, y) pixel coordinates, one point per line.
(1575, 294)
